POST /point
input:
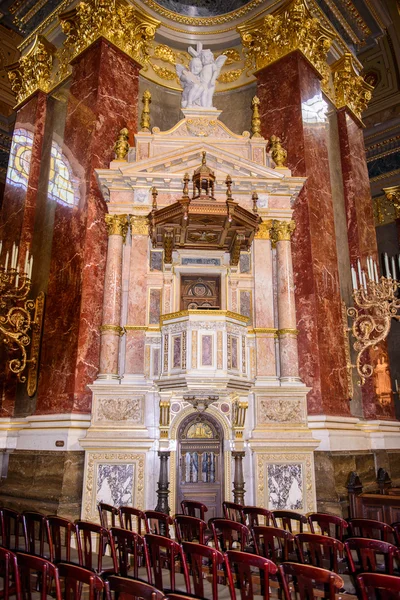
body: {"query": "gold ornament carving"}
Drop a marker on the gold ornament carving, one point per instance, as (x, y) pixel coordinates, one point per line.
(145, 119)
(139, 225)
(116, 224)
(272, 37)
(279, 410)
(281, 231)
(230, 76)
(264, 232)
(255, 118)
(278, 153)
(121, 146)
(165, 53)
(393, 196)
(287, 331)
(32, 72)
(232, 56)
(351, 90)
(115, 328)
(164, 73)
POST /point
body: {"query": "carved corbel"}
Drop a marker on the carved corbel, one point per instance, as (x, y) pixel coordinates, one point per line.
(168, 245)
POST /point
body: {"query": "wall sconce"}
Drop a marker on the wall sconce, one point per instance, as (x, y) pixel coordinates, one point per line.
(20, 318)
(376, 304)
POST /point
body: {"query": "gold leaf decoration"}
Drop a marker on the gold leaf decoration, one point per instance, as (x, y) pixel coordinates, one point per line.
(230, 76)
(232, 55)
(165, 53)
(164, 73)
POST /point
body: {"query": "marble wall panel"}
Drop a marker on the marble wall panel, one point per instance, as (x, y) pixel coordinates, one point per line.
(245, 262)
(154, 306)
(245, 300)
(115, 484)
(176, 351)
(285, 487)
(207, 350)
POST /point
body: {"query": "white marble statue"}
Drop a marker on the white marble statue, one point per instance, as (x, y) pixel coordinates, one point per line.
(198, 81)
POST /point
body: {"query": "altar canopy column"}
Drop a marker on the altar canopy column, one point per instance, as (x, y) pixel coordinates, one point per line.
(111, 330)
(137, 300)
(264, 304)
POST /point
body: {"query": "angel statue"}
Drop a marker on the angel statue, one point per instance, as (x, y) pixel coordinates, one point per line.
(198, 81)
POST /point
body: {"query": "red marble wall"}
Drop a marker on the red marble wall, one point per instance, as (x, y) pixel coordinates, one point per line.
(103, 99)
(284, 88)
(361, 236)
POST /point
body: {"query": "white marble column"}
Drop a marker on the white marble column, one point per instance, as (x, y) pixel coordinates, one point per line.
(264, 327)
(287, 332)
(111, 330)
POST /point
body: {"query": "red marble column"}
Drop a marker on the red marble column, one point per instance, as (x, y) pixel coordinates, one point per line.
(361, 234)
(103, 99)
(290, 92)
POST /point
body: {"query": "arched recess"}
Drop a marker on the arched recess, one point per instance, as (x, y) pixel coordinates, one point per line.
(227, 438)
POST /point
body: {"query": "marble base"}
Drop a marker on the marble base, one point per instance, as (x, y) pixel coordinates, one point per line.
(352, 434)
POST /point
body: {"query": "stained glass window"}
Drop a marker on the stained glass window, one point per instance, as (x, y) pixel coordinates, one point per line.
(20, 158)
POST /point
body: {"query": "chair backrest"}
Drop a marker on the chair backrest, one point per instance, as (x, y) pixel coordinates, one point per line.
(38, 574)
(194, 509)
(133, 519)
(9, 575)
(65, 540)
(375, 586)
(78, 582)
(129, 552)
(369, 528)
(204, 563)
(108, 515)
(189, 529)
(305, 578)
(93, 539)
(164, 554)
(229, 535)
(13, 530)
(363, 555)
(289, 520)
(319, 550)
(273, 543)
(132, 590)
(246, 567)
(330, 525)
(234, 512)
(158, 523)
(37, 534)
(255, 515)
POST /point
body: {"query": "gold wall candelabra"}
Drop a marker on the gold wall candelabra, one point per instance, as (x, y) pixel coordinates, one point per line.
(20, 318)
(376, 304)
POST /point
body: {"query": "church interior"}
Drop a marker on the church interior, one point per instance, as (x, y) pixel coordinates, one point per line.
(200, 267)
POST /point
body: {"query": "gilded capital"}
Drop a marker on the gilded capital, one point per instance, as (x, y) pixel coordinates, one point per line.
(264, 231)
(351, 90)
(117, 225)
(139, 225)
(32, 72)
(291, 28)
(393, 196)
(282, 230)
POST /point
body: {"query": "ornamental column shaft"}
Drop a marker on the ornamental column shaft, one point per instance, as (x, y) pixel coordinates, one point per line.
(287, 332)
(117, 226)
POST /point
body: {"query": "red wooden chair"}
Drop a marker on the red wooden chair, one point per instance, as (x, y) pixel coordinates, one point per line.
(108, 515)
(164, 556)
(129, 554)
(367, 555)
(319, 550)
(158, 523)
(229, 535)
(330, 525)
(244, 568)
(131, 589)
(78, 582)
(273, 543)
(255, 515)
(234, 512)
(375, 586)
(38, 536)
(65, 541)
(189, 529)
(304, 579)
(9, 575)
(207, 570)
(133, 519)
(190, 508)
(369, 528)
(13, 530)
(94, 541)
(288, 520)
(39, 577)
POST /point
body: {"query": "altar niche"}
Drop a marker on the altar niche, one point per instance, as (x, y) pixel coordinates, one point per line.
(200, 292)
(200, 460)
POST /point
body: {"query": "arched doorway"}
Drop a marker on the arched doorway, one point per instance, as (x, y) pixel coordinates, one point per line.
(201, 465)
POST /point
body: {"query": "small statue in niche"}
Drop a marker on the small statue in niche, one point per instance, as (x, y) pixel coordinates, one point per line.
(278, 153)
(199, 80)
(121, 147)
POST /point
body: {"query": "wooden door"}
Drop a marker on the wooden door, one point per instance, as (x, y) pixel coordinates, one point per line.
(200, 460)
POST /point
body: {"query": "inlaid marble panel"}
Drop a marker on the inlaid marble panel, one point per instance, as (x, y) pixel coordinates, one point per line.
(285, 486)
(206, 351)
(154, 306)
(188, 260)
(245, 262)
(177, 351)
(234, 353)
(156, 362)
(156, 261)
(115, 484)
(245, 303)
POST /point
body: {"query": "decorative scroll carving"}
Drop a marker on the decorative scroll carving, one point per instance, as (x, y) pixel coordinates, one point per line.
(117, 224)
(351, 89)
(279, 411)
(121, 409)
